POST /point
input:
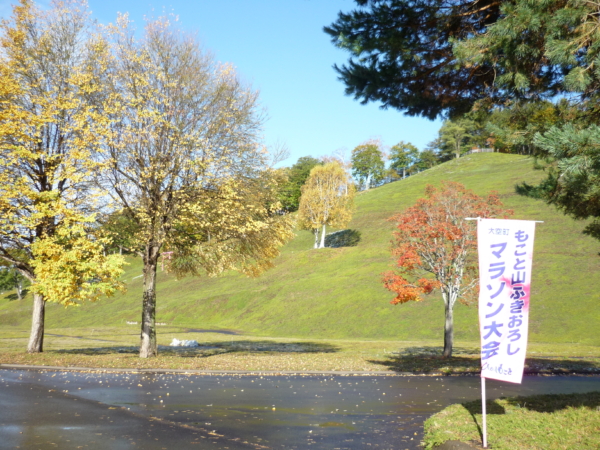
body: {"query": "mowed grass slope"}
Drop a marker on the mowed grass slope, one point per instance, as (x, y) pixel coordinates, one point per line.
(337, 293)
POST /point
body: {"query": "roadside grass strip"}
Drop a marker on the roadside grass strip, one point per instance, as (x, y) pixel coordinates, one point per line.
(544, 422)
(116, 348)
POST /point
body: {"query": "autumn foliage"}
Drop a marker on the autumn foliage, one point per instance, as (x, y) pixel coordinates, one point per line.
(95, 122)
(48, 151)
(434, 247)
(327, 199)
(183, 160)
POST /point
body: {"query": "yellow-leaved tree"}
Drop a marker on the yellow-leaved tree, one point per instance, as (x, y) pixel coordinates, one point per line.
(183, 162)
(327, 199)
(47, 203)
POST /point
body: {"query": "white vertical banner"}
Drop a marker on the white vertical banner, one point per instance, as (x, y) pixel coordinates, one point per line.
(505, 261)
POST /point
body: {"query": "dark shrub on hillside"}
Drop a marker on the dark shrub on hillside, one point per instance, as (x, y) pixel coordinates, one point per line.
(343, 238)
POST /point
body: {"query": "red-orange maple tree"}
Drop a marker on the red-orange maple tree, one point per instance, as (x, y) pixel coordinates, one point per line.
(434, 247)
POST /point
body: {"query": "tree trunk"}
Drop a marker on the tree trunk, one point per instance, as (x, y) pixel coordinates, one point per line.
(148, 346)
(19, 286)
(36, 338)
(316, 231)
(322, 245)
(448, 327)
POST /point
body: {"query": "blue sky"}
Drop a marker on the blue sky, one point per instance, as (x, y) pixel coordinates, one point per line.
(279, 47)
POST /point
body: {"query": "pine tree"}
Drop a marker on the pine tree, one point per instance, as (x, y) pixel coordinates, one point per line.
(445, 58)
(401, 54)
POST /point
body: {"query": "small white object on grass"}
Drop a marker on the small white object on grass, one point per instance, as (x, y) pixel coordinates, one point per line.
(184, 343)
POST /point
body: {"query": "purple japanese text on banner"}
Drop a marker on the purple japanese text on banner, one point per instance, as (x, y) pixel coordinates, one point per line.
(505, 250)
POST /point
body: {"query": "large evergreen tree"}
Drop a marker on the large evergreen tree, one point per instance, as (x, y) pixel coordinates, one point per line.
(561, 38)
(447, 57)
(573, 181)
(401, 54)
(538, 49)
(435, 57)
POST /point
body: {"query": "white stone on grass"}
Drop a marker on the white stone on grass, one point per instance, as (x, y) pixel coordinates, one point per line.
(184, 343)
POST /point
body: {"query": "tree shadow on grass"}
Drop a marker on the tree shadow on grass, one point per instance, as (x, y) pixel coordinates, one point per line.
(466, 360)
(548, 403)
(429, 359)
(88, 338)
(343, 238)
(276, 347)
(491, 407)
(475, 407)
(214, 348)
(13, 297)
(562, 366)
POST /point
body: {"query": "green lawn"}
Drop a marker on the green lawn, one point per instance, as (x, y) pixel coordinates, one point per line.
(326, 310)
(337, 293)
(117, 347)
(540, 422)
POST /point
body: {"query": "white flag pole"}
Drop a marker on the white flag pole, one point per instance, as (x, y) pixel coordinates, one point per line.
(484, 414)
(483, 405)
(483, 396)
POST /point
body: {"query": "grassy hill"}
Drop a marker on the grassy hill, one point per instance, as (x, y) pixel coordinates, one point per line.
(337, 293)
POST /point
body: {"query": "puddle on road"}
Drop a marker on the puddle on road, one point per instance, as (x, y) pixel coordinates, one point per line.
(290, 412)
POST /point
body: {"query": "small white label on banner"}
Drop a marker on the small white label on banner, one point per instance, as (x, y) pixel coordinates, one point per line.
(505, 262)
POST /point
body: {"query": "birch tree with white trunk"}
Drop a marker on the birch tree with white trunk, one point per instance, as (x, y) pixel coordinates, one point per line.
(327, 199)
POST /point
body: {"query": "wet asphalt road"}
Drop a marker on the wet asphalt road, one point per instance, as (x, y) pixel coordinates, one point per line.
(96, 410)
